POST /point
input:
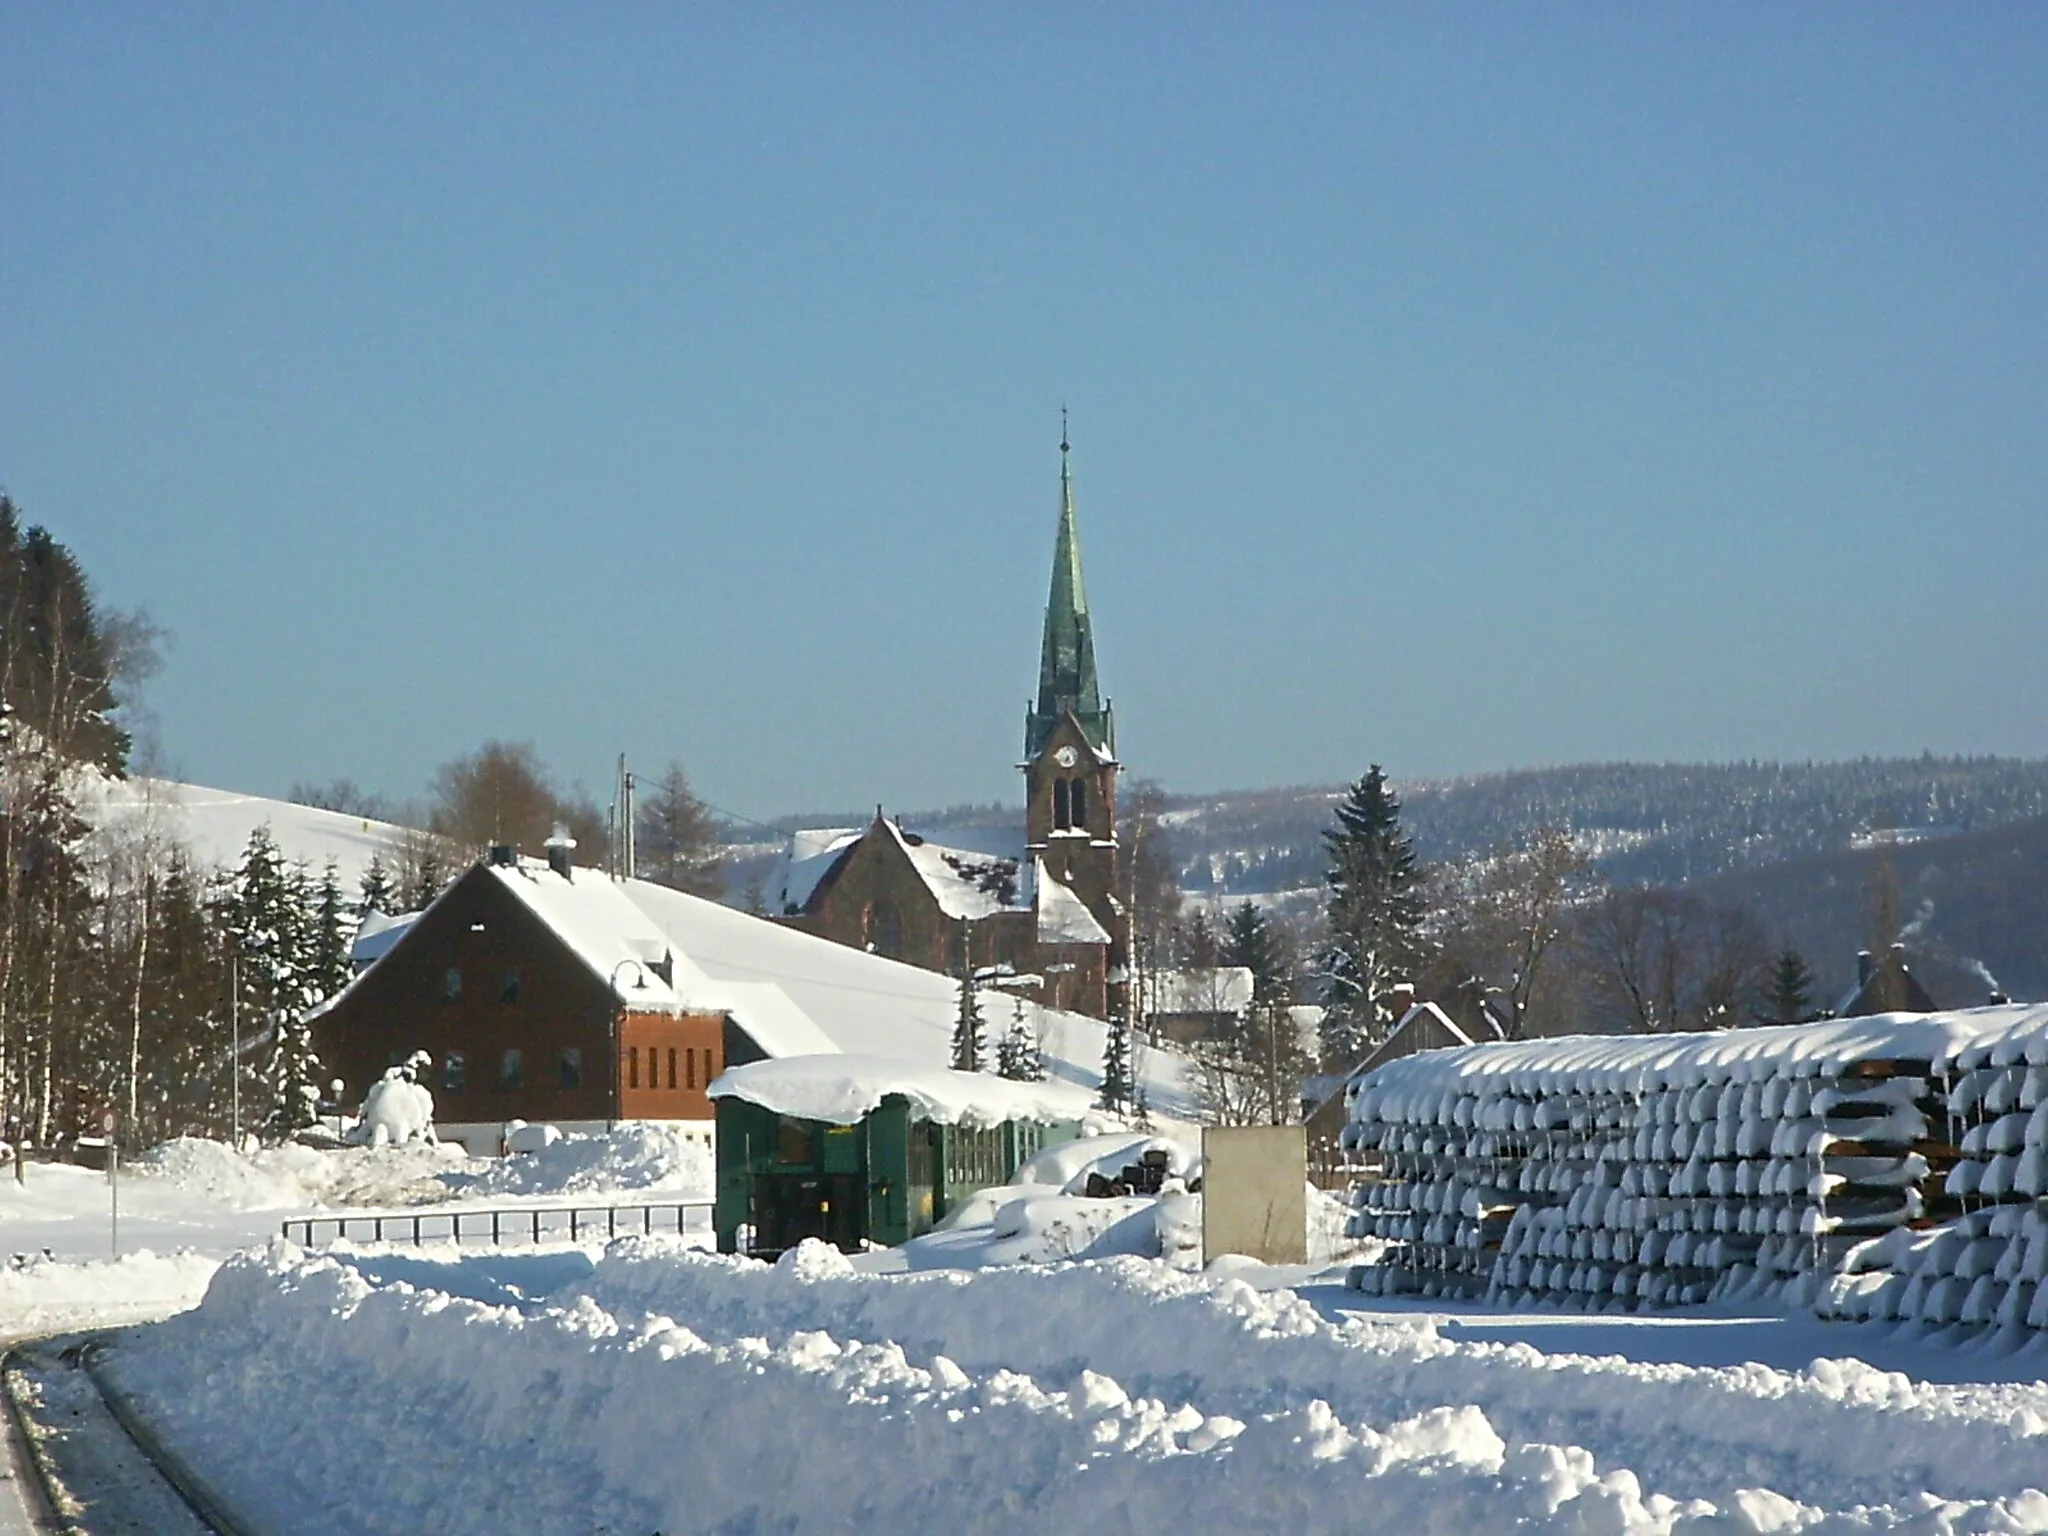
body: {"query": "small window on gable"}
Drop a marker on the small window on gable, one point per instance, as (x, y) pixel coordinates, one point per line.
(1077, 803)
(1061, 815)
(572, 1068)
(690, 1061)
(452, 1069)
(633, 1066)
(671, 1066)
(510, 993)
(451, 984)
(511, 1070)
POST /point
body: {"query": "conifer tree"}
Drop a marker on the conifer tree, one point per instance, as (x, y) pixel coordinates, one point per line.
(1017, 1054)
(378, 892)
(1375, 913)
(331, 930)
(1117, 1084)
(1789, 999)
(268, 925)
(675, 842)
(1249, 941)
(967, 1027)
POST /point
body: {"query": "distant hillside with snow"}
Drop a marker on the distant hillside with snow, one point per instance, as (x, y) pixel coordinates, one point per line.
(1645, 823)
(215, 824)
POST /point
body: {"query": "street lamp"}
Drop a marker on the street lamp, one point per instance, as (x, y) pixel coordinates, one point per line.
(618, 1015)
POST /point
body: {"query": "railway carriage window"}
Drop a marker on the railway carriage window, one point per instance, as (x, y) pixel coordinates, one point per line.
(792, 1142)
(572, 1068)
(451, 1070)
(511, 1070)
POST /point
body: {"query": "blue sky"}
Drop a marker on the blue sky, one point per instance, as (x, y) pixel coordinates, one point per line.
(1454, 388)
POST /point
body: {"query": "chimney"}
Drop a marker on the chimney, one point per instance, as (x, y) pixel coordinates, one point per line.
(561, 849)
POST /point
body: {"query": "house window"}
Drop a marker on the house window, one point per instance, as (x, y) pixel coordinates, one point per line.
(511, 1070)
(572, 1068)
(452, 1065)
(510, 993)
(1077, 803)
(1061, 816)
(671, 1066)
(633, 1066)
(451, 984)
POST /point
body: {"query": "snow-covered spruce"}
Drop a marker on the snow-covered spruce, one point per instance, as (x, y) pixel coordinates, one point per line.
(1880, 1168)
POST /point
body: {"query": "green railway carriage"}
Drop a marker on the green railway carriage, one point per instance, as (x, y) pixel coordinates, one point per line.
(887, 1177)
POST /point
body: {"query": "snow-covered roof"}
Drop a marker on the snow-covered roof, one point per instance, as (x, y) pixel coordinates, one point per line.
(1642, 1063)
(1203, 989)
(377, 934)
(592, 914)
(811, 853)
(1063, 918)
(965, 883)
(842, 1089)
(793, 993)
(786, 987)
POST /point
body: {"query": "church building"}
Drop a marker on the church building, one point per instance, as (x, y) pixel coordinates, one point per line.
(1034, 911)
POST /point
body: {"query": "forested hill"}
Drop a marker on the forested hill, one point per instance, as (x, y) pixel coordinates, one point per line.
(1646, 823)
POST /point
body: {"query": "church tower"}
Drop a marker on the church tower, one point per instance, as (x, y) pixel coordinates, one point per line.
(1070, 764)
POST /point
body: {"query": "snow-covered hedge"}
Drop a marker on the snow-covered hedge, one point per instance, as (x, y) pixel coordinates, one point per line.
(1889, 1164)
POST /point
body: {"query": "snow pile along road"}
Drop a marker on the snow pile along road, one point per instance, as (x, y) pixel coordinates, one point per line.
(661, 1389)
(632, 1160)
(39, 1296)
(293, 1177)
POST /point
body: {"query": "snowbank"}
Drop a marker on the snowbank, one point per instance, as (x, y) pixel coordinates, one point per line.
(293, 1177)
(841, 1089)
(48, 1296)
(666, 1390)
(633, 1158)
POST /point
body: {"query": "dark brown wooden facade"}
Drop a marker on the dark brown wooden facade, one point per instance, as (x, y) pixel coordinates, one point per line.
(517, 1025)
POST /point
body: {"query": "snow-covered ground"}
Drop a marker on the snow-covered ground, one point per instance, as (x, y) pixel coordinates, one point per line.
(187, 1205)
(648, 1386)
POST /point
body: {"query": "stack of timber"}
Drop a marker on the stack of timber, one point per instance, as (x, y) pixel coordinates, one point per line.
(1610, 1173)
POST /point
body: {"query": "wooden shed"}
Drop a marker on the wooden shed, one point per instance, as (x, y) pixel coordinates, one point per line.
(861, 1152)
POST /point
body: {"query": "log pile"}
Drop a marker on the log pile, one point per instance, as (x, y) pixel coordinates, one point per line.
(1605, 1174)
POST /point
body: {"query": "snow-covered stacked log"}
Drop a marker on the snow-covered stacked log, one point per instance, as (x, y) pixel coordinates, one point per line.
(1604, 1172)
(1983, 1261)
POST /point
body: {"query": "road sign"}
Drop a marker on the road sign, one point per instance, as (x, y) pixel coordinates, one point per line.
(108, 1122)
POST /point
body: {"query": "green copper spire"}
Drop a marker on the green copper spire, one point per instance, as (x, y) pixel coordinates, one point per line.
(1066, 659)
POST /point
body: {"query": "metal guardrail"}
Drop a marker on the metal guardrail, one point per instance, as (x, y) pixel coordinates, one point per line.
(534, 1224)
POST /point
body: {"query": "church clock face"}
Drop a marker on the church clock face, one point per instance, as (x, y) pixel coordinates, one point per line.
(1065, 757)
